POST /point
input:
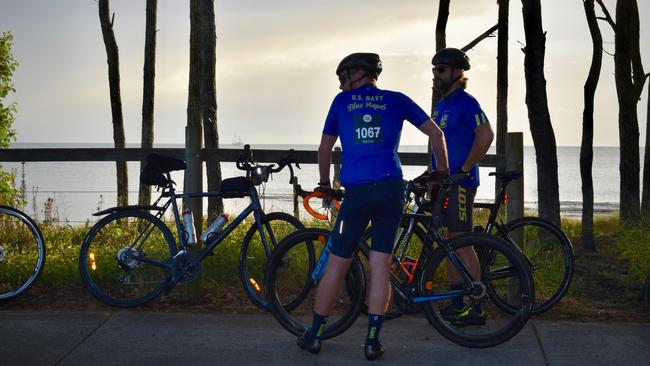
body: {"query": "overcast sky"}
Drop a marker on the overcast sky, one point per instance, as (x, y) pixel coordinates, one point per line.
(276, 62)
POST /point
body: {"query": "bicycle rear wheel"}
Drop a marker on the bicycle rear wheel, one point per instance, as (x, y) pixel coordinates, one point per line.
(483, 324)
(253, 256)
(22, 252)
(122, 257)
(291, 292)
(550, 254)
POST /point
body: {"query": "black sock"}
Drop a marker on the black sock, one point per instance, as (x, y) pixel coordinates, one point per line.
(458, 300)
(317, 326)
(374, 327)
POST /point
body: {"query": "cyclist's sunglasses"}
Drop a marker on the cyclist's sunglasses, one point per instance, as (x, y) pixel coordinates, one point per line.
(441, 69)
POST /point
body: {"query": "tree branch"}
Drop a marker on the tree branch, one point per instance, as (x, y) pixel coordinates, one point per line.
(478, 39)
(608, 17)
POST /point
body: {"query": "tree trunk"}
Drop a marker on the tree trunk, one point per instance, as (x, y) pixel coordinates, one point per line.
(113, 60)
(629, 78)
(148, 88)
(441, 42)
(502, 81)
(209, 104)
(586, 148)
(645, 196)
(194, 172)
(538, 114)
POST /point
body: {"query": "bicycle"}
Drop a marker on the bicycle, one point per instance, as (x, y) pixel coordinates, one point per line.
(297, 264)
(22, 252)
(130, 256)
(546, 247)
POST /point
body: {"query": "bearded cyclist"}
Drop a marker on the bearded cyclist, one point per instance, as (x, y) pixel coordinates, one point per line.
(469, 135)
(368, 120)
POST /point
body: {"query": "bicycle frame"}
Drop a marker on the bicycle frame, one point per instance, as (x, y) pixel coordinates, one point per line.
(254, 207)
(433, 235)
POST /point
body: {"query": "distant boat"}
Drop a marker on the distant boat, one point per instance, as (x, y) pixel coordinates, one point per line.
(236, 140)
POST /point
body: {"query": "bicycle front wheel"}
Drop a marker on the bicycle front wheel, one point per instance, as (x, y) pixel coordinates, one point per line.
(22, 252)
(550, 254)
(254, 255)
(123, 257)
(291, 292)
(480, 323)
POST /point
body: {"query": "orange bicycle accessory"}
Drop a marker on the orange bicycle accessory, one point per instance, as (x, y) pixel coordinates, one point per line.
(305, 202)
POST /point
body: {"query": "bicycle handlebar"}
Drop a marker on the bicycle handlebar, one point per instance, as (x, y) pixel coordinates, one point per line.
(247, 163)
(335, 194)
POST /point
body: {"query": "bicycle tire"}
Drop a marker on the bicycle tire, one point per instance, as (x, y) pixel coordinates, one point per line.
(116, 281)
(552, 262)
(495, 329)
(291, 292)
(394, 310)
(253, 256)
(22, 253)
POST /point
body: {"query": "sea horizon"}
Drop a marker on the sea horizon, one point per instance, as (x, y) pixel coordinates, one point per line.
(81, 188)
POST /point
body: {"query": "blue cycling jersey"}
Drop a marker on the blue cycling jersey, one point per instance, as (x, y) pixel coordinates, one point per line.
(369, 123)
(457, 115)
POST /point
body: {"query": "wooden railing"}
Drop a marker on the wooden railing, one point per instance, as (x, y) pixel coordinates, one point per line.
(513, 160)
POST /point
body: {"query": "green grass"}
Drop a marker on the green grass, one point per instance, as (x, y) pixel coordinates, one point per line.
(634, 244)
(63, 243)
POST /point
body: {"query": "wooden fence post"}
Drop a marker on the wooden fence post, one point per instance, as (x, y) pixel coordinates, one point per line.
(336, 183)
(194, 174)
(515, 161)
(193, 182)
(296, 210)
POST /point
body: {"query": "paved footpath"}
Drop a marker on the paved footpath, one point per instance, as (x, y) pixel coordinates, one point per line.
(146, 338)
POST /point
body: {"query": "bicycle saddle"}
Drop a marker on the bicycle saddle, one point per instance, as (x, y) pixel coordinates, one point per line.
(163, 163)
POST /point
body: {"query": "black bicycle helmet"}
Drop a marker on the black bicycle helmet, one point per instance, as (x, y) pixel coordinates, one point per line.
(367, 61)
(452, 57)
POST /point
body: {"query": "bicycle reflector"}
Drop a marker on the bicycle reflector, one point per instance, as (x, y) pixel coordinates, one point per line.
(93, 264)
(255, 285)
(505, 199)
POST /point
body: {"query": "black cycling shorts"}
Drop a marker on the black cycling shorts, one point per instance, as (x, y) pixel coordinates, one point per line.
(379, 203)
(457, 213)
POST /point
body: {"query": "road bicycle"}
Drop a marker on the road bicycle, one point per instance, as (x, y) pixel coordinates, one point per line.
(130, 256)
(546, 247)
(22, 252)
(296, 266)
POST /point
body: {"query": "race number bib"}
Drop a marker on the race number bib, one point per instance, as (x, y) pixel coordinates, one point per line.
(367, 129)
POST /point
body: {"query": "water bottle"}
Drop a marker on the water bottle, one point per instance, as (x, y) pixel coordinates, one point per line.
(189, 231)
(215, 227)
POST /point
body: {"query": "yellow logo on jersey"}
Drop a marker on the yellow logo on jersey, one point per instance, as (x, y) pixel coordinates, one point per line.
(443, 121)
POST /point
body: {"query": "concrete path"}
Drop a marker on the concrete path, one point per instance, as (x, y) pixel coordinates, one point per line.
(146, 338)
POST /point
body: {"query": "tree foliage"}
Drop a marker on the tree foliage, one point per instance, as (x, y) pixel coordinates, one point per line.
(7, 67)
(7, 112)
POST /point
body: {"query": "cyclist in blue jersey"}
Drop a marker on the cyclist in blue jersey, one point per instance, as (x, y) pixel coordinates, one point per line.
(368, 120)
(469, 135)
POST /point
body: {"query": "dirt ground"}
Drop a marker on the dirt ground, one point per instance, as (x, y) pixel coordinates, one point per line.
(598, 293)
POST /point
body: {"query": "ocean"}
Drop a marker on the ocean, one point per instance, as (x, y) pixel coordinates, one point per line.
(77, 189)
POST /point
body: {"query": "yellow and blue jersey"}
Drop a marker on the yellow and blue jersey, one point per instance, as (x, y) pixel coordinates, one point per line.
(458, 115)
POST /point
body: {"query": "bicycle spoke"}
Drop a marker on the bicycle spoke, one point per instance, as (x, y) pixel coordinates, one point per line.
(123, 259)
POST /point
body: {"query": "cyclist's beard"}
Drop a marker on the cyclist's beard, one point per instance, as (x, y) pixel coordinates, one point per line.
(440, 85)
